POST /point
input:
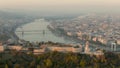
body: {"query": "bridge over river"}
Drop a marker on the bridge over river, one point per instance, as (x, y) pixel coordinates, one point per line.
(22, 32)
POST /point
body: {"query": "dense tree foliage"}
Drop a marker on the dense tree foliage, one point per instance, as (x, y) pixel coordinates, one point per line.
(60, 60)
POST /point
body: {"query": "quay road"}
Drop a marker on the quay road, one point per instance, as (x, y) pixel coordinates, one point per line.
(107, 48)
(94, 46)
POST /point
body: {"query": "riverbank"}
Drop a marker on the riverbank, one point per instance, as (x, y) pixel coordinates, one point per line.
(40, 32)
(62, 33)
(18, 26)
(9, 32)
(93, 45)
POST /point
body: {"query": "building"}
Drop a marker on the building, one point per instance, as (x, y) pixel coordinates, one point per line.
(65, 49)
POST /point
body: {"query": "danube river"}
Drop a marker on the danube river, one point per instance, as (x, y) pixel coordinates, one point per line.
(37, 31)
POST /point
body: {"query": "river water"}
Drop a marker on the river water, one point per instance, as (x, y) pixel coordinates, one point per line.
(37, 31)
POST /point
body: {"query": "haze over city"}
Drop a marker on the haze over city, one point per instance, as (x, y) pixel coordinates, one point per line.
(58, 7)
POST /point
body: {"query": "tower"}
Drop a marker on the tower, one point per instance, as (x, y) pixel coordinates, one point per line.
(113, 46)
(87, 49)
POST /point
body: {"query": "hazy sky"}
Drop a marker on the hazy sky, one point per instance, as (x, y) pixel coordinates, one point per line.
(61, 6)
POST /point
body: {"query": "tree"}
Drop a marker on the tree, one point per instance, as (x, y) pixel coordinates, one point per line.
(17, 66)
(32, 64)
(38, 66)
(6, 66)
(48, 63)
(83, 62)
